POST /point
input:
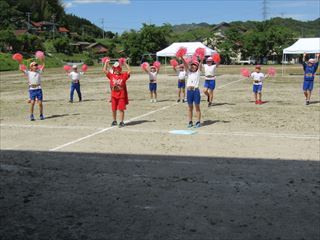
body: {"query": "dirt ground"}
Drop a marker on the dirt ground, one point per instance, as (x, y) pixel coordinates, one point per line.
(250, 172)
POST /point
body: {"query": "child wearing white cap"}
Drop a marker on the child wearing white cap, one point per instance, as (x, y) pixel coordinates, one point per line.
(210, 79)
(74, 75)
(35, 90)
(153, 73)
(310, 69)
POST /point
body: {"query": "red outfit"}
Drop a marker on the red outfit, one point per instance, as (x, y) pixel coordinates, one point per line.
(119, 94)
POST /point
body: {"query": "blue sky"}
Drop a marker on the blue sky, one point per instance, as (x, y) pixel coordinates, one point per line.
(123, 15)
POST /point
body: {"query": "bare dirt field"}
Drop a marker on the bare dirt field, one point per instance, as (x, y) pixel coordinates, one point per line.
(250, 172)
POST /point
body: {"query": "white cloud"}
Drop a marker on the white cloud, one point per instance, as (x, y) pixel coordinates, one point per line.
(67, 5)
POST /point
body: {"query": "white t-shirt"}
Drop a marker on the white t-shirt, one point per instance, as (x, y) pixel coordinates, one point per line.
(34, 78)
(257, 77)
(153, 76)
(193, 79)
(182, 75)
(75, 76)
(209, 71)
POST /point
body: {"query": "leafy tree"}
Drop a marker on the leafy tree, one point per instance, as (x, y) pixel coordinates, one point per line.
(30, 43)
(62, 45)
(8, 40)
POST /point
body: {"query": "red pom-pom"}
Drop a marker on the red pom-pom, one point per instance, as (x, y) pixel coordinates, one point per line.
(181, 52)
(272, 72)
(67, 67)
(105, 59)
(173, 63)
(84, 67)
(245, 72)
(39, 55)
(200, 52)
(23, 67)
(157, 65)
(216, 57)
(17, 57)
(144, 66)
(40, 67)
(122, 61)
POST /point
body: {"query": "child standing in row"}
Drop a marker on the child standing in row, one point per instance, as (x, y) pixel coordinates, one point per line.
(74, 75)
(310, 69)
(181, 82)
(35, 90)
(257, 77)
(153, 73)
(210, 79)
(193, 92)
(119, 94)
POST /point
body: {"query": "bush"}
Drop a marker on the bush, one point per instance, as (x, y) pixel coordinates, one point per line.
(89, 62)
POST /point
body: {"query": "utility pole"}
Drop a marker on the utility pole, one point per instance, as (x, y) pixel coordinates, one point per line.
(102, 27)
(53, 25)
(28, 14)
(265, 9)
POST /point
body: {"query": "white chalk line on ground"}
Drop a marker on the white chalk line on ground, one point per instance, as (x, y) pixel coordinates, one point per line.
(128, 129)
(230, 83)
(242, 134)
(109, 128)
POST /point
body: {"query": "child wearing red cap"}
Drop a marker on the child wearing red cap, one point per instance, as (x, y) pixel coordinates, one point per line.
(119, 94)
(35, 90)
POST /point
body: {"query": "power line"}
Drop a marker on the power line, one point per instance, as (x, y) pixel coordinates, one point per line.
(265, 9)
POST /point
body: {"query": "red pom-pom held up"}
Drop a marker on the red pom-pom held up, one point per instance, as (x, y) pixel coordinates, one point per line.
(200, 52)
(157, 65)
(17, 57)
(122, 61)
(39, 55)
(23, 67)
(105, 59)
(173, 63)
(245, 72)
(84, 67)
(216, 57)
(144, 66)
(272, 72)
(181, 52)
(67, 68)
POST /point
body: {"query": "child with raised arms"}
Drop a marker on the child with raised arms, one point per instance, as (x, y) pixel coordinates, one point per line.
(310, 69)
(193, 91)
(35, 89)
(119, 94)
(152, 71)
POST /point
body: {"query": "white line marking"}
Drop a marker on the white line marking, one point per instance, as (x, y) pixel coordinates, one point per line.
(49, 126)
(230, 83)
(243, 134)
(109, 128)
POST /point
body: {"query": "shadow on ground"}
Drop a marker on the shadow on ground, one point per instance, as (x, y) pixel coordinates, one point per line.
(59, 195)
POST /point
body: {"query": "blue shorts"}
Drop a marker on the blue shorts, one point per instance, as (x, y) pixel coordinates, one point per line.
(181, 84)
(307, 85)
(193, 96)
(210, 84)
(257, 88)
(35, 94)
(153, 87)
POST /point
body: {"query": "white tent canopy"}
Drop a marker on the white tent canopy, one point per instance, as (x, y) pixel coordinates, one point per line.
(304, 45)
(190, 46)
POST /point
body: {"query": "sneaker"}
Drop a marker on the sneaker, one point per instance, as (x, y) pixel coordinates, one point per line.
(154, 100)
(257, 102)
(197, 125)
(114, 123)
(190, 124)
(178, 100)
(70, 101)
(41, 117)
(183, 100)
(151, 100)
(209, 104)
(121, 124)
(307, 102)
(260, 102)
(32, 117)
